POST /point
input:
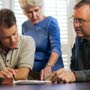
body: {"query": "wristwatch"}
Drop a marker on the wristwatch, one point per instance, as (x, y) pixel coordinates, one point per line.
(49, 64)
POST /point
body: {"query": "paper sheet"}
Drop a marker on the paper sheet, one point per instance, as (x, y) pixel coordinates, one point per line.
(31, 82)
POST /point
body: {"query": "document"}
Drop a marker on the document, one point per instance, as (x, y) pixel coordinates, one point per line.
(49, 77)
(31, 82)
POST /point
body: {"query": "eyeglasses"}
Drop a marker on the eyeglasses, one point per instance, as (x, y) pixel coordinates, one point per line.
(78, 20)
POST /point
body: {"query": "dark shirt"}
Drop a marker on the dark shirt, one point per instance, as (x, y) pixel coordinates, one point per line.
(47, 38)
(80, 60)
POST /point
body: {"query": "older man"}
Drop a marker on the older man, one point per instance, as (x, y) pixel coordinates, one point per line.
(80, 60)
(16, 52)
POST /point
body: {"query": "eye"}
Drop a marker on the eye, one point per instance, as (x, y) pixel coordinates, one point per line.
(36, 10)
(81, 20)
(14, 33)
(29, 12)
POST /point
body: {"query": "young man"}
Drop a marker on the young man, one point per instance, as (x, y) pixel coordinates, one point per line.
(16, 52)
(80, 60)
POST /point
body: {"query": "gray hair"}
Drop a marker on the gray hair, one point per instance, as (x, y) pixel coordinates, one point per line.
(25, 3)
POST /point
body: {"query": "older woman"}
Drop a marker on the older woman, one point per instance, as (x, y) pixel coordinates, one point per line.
(46, 33)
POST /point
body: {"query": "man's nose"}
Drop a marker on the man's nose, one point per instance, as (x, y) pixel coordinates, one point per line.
(77, 23)
(13, 39)
(33, 14)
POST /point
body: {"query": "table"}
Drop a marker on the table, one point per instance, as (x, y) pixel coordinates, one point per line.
(73, 86)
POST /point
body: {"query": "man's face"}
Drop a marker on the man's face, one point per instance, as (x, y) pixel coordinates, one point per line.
(34, 14)
(82, 21)
(9, 37)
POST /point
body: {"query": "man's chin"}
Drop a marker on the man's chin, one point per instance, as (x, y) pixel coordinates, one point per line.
(35, 22)
(79, 35)
(13, 47)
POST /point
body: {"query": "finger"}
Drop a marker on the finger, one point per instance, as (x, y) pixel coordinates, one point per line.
(44, 74)
(47, 73)
(65, 80)
(1, 75)
(59, 71)
(65, 77)
(7, 74)
(54, 78)
(61, 75)
(41, 75)
(12, 71)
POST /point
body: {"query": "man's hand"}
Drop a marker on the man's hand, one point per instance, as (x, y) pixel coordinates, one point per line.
(64, 76)
(7, 73)
(45, 72)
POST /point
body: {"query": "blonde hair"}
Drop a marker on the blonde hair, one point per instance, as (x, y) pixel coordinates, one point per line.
(25, 3)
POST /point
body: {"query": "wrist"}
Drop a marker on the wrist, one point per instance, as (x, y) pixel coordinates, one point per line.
(75, 77)
(49, 64)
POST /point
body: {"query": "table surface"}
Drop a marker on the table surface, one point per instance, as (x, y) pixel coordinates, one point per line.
(73, 86)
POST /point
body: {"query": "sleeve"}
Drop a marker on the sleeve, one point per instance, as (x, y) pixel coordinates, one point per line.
(26, 58)
(54, 36)
(82, 76)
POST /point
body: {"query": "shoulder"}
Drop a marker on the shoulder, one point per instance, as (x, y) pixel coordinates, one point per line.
(26, 43)
(53, 23)
(78, 40)
(77, 44)
(26, 39)
(27, 22)
(52, 19)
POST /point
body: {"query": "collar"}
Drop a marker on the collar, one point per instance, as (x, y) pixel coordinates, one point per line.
(87, 42)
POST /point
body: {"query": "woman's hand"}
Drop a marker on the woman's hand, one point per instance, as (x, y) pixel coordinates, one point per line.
(45, 72)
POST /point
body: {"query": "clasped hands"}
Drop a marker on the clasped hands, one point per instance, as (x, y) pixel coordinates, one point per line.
(60, 76)
(8, 73)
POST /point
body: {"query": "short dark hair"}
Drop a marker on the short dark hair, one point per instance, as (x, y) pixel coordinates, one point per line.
(82, 3)
(7, 18)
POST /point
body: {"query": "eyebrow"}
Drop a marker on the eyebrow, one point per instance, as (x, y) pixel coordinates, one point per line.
(11, 35)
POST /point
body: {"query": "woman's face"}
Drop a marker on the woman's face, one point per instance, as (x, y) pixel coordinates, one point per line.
(34, 13)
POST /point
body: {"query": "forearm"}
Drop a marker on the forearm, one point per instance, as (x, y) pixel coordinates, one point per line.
(53, 59)
(22, 73)
(82, 76)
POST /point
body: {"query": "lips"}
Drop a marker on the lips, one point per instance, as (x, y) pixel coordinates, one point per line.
(78, 29)
(34, 19)
(13, 45)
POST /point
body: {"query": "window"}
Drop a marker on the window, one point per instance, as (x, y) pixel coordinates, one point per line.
(0, 3)
(19, 14)
(59, 9)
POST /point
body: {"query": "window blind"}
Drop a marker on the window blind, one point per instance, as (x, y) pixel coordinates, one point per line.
(0, 3)
(58, 9)
(19, 15)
